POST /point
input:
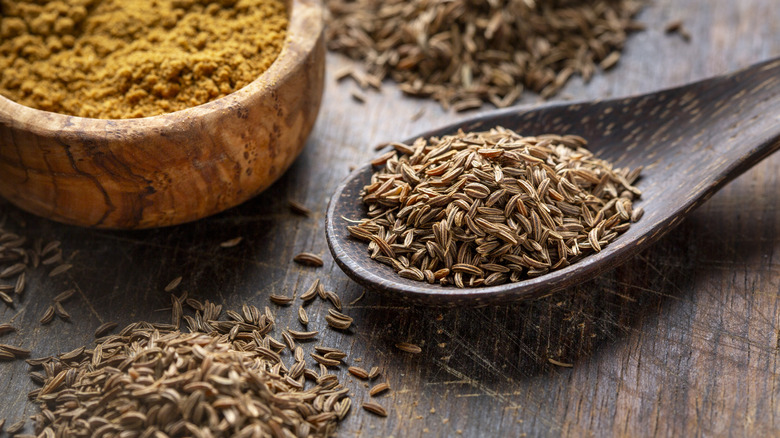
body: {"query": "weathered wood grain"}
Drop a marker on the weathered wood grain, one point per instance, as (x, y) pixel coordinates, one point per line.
(682, 340)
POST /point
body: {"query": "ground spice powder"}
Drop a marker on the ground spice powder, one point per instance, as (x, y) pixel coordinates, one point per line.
(134, 58)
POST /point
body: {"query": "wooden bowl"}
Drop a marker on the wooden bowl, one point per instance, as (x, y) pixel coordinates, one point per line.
(172, 168)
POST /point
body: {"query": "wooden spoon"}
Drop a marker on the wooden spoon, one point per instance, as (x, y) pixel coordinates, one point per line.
(691, 141)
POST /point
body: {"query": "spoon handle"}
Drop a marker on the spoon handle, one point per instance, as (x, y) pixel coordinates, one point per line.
(744, 117)
(704, 134)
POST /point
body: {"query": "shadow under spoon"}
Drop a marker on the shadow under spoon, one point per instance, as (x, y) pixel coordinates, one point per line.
(691, 140)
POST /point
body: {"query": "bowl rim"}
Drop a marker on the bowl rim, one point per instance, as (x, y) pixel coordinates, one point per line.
(44, 122)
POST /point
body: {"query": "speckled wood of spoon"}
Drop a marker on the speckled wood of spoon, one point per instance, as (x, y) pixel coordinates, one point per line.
(691, 140)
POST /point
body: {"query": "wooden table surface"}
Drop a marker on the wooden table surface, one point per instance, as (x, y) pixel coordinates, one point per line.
(683, 340)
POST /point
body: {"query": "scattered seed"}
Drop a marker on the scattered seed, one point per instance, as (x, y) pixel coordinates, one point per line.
(375, 408)
(325, 350)
(16, 351)
(637, 214)
(334, 299)
(321, 292)
(60, 269)
(289, 340)
(48, 315)
(6, 298)
(60, 311)
(56, 258)
(302, 316)
(16, 427)
(311, 292)
(325, 361)
(559, 363)
(407, 347)
(358, 96)
(231, 243)
(298, 208)
(280, 300)
(104, 329)
(50, 248)
(64, 296)
(173, 284)
(5, 328)
(374, 373)
(300, 335)
(308, 259)
(338, 355)
(12, 270)
(20, 284)
(358, 372)
(677, 26)
(378, 389)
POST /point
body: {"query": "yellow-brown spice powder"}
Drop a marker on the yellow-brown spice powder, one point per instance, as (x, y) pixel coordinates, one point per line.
(134, 58)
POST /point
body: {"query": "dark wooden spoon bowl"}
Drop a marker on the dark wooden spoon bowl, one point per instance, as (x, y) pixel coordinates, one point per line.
(691, 140)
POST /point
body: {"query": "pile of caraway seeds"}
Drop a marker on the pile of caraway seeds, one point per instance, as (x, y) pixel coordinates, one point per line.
(465, 52)
(487, 208)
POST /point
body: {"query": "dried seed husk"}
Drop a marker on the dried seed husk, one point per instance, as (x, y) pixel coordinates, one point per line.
(303, 317)
(60, 311)
(48, 315)
(338, 355)
(334, 299)
(280, 300)
(325, 361)
(173, 284)
(16, 427)
(232, 242)
(6, 298)
(5, 328)
(308, 259)
(342, 408)
(52, 259)
(16, 351)
(50, 248)
(408, 347)
(325, 350)
(289, 340)
(301, 335)
(336, 323)
(64, 296)
(60, 269)
(375, 408)
(13, 270)
(374, 373)
(298, 208)
(311, 292)
(104, 329)
(358, 372)
(194, 304)
(21, 282)
(378, 389)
